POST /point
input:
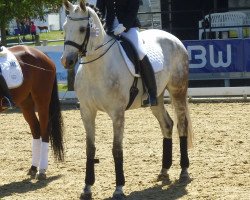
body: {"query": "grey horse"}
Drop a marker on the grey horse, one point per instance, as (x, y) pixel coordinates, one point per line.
(103, 83)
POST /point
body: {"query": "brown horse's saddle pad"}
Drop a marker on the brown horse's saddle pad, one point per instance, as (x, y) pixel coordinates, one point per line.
(10, 69)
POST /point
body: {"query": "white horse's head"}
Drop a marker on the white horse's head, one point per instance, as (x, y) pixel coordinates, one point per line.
(83, 32)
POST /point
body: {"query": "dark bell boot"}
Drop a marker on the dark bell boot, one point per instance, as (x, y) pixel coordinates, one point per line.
(147, 74)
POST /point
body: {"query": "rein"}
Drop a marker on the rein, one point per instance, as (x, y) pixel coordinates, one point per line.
(104, 44)
(102, 53)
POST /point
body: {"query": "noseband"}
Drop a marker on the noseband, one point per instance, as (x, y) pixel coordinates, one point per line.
(83, 47)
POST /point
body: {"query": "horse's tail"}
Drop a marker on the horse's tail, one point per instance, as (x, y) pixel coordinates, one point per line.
(56, 124)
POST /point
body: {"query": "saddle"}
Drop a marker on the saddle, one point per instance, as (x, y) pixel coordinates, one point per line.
(130, 52)
(131, 58)
(134, 58)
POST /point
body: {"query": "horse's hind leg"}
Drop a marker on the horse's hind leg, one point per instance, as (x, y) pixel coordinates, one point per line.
(166, 124)
(43, 114)
(28, 111)
(184, 130)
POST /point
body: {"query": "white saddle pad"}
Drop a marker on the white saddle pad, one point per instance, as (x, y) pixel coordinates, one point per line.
(154, 54)
(11, 69)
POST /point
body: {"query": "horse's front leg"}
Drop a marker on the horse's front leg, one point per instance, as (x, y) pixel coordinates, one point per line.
(118, 128)
(88, 118)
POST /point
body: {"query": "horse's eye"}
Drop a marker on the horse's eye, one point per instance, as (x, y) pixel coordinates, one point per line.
(82, 29)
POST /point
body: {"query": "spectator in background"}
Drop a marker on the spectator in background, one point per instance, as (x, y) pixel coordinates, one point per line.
(32, 30)
(27, 27)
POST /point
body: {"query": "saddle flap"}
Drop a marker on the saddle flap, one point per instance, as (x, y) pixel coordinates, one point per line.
(130, 56)
(131, 53)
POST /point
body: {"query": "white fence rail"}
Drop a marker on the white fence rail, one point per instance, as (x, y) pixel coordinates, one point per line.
(243, 92)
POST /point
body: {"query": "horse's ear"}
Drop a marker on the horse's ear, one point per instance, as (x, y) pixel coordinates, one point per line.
(68, 6)
(83, 5)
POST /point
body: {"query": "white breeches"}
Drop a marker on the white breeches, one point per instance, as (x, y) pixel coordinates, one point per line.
(133, 36)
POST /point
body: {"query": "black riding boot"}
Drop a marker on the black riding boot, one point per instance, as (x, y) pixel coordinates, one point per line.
(147, 74)
(6, 102)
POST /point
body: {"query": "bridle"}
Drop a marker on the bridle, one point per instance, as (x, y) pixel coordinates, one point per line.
(81, 47)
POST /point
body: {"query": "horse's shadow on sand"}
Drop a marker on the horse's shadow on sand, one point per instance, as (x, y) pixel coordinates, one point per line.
(175, 190)
(24, 186)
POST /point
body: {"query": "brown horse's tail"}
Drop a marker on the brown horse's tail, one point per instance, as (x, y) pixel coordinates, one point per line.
(56, 124)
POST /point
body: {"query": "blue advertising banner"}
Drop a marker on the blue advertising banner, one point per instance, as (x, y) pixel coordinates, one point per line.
(205, 56)
(61, 72)
(214, 56)
(247, 54)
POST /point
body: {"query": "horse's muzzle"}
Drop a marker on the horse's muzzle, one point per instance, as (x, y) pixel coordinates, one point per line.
(69, 61)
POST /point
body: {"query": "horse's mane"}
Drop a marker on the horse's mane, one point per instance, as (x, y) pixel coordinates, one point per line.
(99, 14)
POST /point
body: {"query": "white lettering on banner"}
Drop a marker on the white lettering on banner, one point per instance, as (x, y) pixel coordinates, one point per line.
(201, 60)
(201, 56)
(220, 62)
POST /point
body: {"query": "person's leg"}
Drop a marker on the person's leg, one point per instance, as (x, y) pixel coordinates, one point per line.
(147, 72)
(7, 101)
(1, 46)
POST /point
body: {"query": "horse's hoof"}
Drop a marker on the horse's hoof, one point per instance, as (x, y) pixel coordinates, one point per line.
(41, 176)
(32, 172)
(184, 177)
(86, 196)
(119, 196)
(163, 177)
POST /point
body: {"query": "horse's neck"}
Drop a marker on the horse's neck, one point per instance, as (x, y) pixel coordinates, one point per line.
(101, 46)
(104, 58)
(104, 40)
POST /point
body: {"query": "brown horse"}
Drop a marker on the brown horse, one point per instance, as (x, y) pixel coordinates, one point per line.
(41, 28)
(39, 93)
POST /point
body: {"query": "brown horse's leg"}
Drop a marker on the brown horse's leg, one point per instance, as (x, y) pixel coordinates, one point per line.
(28, 111)
(42, 106)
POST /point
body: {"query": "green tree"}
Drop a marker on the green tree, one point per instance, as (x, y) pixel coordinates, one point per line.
(23, 9)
